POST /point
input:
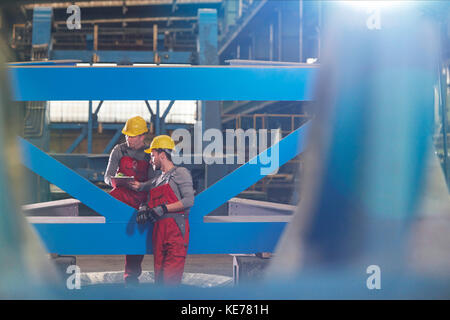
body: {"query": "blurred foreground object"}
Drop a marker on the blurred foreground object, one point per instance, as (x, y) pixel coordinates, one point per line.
(25, 270)
(366, 167)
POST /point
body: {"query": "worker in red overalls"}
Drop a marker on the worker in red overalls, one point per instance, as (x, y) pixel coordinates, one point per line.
(130, 159)
(171, 195)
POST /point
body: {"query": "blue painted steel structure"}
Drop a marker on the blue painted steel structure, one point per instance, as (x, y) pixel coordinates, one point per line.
(42, 26)
(120, 235)
(144, 83)
(45, 63)
(207, 37)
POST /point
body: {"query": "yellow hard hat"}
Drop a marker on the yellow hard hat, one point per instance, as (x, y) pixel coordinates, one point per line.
(161, 142)
(135, 126)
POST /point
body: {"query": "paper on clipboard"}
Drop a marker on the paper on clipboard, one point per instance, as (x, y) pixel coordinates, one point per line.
(121, 181)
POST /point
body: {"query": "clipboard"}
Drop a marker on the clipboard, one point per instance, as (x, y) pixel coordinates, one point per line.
(121, 181)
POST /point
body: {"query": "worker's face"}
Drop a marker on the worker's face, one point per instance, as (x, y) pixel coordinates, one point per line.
(136, 142)
(156, 160)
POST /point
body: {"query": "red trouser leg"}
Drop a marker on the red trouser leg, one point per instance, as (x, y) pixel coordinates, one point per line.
(169, 250)
(173, 265)
(133, 263)
(133, 267)
(158, 252)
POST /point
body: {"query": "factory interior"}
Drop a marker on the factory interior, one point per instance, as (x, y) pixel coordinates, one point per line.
(316, 134)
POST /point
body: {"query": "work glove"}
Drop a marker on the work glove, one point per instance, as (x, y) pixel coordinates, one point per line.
(143, 214)
(150, 214)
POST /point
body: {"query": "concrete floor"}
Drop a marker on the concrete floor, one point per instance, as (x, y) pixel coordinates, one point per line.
(220, 264)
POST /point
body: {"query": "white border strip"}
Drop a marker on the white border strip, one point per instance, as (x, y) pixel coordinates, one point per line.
(66, 220)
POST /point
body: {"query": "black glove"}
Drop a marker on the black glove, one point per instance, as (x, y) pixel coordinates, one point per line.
(146, 214)
(143, 214)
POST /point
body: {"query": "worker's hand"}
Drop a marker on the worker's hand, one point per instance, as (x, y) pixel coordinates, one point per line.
(135, 185)
(154, 214)
(144, 214)
(159, 211)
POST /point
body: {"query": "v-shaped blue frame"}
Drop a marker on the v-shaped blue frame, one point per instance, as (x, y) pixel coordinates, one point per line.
(120, 234)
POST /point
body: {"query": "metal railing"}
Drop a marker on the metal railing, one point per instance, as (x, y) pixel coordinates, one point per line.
(262, 121)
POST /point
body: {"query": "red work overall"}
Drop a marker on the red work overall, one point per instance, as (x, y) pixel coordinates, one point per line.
(139, 169)
(169, 242)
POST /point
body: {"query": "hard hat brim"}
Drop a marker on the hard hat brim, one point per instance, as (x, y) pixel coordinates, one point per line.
(130, 134)
(149, 150)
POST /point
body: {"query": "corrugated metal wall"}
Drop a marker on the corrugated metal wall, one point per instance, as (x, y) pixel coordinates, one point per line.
(119, 111)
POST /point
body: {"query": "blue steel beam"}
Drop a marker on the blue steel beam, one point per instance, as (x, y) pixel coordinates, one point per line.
(158, 83)
(68, 180)
(149, 109)
(113, 141)
(78, 140)
(163, 117)
(121, 235)
(45, 63)
(98, 107)
(166, 112)
(248, 174)
(130, 238)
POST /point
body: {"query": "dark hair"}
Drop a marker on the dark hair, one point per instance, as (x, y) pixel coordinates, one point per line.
(168, 155)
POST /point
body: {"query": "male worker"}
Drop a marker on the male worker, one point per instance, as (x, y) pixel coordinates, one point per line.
(171, 195)
(130, 159)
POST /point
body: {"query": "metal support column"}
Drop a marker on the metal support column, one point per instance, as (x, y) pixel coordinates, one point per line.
(152, 115)
(157, 120)
(38, 132)
(113, 141)
(41, 33)
(163, 117)
(210, 110)
(89, 133)
(97, 110)
(78, 140)
(207, 53)
(149, 109)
